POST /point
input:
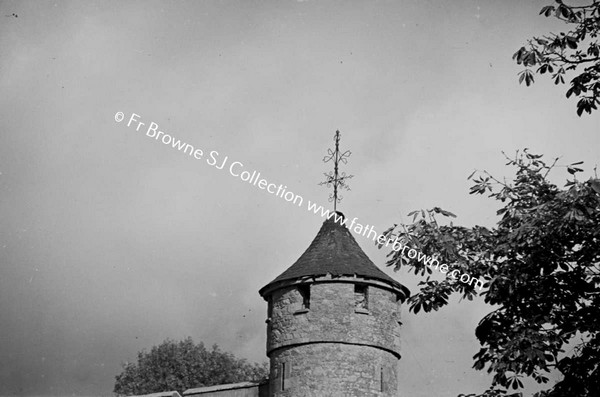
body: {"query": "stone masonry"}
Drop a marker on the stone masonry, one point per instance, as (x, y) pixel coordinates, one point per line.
(334, 349)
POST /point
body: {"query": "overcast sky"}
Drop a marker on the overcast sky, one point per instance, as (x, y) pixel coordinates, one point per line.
(111, 242)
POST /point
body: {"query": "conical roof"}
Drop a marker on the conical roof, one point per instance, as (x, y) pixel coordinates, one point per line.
(335, 251)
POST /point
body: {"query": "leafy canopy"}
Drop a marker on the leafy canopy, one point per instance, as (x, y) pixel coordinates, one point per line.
(184, 365)
(574, 52)
(541, 266)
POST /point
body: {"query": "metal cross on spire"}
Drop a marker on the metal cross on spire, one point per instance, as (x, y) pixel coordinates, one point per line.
(334, 178)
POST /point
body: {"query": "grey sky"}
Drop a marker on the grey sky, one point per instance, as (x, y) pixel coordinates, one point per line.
(111, 242)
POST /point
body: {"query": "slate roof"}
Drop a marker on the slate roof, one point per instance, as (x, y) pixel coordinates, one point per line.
(335, 251)
(230, 386)
(161, 394)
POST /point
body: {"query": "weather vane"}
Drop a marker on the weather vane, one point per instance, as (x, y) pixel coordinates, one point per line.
(334, 178)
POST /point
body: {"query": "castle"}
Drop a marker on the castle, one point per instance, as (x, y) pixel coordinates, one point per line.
(333, 326)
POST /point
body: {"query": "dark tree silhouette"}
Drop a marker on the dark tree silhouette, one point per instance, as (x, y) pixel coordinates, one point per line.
(573, 53)
(541, 266)
(183, 365)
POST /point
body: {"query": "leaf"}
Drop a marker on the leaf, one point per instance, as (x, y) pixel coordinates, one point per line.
(479, 365)
(417, 308)
(447, 213)
(547, 11)
(518, 56)
(528, 78)
(514, 384)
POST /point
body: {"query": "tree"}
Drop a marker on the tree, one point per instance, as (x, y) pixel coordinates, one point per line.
(573, 52)
(541, 267)
(183, 365)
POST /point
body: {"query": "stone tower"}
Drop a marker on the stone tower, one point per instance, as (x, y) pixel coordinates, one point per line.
(333, 322)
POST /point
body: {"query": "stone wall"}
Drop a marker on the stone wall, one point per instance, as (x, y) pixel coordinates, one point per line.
(332, 317)
(333, 370)
(333, 348)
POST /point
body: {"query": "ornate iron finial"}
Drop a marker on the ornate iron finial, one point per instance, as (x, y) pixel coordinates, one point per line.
(334, 178)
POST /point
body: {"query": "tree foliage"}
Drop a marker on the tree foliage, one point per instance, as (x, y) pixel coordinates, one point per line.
(541, 267)
(574, 53)
(183, 365)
